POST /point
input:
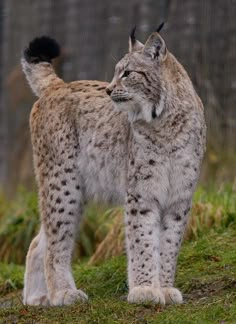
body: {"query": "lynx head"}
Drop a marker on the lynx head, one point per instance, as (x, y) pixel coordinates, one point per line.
(137, 86)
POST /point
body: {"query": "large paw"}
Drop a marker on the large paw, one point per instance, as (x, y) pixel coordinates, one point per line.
(172, 296)
(68, 297)
(139, 295)
(37, 300)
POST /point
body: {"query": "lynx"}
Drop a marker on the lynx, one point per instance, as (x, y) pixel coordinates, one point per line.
(138, 141)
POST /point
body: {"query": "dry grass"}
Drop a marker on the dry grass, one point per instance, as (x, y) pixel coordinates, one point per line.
(216, 209)
(113, 243)
(203, 216)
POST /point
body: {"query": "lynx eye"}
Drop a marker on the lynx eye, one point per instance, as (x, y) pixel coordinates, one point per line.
(126, 73)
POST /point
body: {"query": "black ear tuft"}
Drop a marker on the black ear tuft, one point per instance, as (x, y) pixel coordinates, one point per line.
(132, 35)
(42, 49)
(159, 28)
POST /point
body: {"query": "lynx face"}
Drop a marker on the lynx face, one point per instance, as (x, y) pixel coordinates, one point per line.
(137, 85)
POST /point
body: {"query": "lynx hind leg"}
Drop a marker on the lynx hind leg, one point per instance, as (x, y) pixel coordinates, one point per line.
(35, 289)
(62, 211)
(56, 149)
(61, 208)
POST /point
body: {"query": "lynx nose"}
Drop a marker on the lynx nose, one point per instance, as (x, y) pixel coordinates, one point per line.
(108, 91)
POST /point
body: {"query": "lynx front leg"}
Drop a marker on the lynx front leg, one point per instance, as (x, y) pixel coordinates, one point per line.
(171, 237)
(35, 289)
(142, 232)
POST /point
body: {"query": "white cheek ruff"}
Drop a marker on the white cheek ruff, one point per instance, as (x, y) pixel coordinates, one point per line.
(143, 110)
(122, 106)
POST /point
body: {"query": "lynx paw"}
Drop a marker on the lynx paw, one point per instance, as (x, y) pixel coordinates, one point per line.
(37, 300)
(139, 295)
(68, 297)
(172, 296)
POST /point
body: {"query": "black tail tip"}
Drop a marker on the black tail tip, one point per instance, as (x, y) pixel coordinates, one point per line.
(42, 49)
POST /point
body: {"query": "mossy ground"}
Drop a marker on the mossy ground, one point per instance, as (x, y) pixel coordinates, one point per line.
(206, 275)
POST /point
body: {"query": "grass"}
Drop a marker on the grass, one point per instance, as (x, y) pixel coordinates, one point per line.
(19, 223)
(206, 268)
(101, 234)
(212, 208)
(206, 275)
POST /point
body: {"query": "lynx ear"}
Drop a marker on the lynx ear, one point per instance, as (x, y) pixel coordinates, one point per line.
(155, 47)
(134, 44)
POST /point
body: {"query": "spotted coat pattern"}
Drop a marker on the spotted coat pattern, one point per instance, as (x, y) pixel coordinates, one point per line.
(140, 144)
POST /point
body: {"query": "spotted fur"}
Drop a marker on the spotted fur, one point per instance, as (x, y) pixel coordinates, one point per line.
(140, 144)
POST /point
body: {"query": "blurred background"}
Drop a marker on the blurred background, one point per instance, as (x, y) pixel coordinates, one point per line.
(94, 36)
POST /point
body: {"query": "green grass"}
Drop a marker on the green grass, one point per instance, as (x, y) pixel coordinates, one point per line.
(19, 221)
(206, 268)
(206, 275)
